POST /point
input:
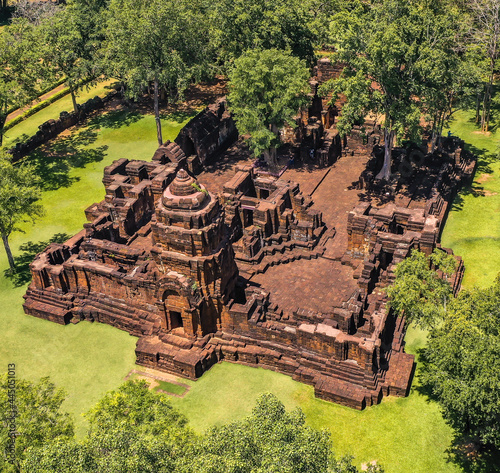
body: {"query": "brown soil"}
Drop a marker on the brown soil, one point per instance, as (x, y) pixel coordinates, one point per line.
(483, 178)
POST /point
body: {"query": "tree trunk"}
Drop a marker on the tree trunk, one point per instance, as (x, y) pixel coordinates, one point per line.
(5, 240)
(157, 113)
(385, 172)
(73, 96)
(270, 158)
(478, 109)
(2, 126)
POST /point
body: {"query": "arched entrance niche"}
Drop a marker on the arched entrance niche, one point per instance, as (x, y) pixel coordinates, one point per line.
(179, 313)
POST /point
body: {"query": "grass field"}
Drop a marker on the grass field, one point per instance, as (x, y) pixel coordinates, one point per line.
(473, 226)
(29, 126)
(404, 435)
(86, 359)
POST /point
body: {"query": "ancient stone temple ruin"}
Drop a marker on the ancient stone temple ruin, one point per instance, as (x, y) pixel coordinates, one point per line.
(205, 257)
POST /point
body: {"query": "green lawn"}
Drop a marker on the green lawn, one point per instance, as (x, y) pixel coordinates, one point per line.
(86, 359)
(29, 126)
(404, 434)
(473, 226)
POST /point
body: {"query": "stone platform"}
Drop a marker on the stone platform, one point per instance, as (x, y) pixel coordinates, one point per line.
(205, 256)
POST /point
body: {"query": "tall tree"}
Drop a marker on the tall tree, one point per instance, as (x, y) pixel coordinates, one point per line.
(384, 45)
(19, 196)
(64, 49)
(486, 34)
(462, 364)
(158, 42)
(31, 416)
(267, 89)
(240, 25)
(421, 289)
(19, 68)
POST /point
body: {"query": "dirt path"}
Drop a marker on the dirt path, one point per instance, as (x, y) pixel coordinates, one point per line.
(43, 97)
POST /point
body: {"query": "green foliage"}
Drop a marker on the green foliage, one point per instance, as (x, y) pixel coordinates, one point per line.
(270, 440)
(64, 49)
(153, 39)
(391, 49)
(131, 430)
(36, 108)
(44, 91)
(240, 25)
(463, 364)
(419, 290)
(19, 196)
(20, 68)
(267, 89)
(38, 420)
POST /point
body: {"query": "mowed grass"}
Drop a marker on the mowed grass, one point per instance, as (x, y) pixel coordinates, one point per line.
(30, 126)
(473, 226)
(85, 359)
(403, 434)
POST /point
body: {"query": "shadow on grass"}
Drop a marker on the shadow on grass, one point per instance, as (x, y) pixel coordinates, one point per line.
(29, 250)
(472, 457)
(115, 119)
(485, 159)
(54, 162)
(179, 116)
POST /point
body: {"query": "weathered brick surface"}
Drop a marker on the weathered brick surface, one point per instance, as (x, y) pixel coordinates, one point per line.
(261, 274)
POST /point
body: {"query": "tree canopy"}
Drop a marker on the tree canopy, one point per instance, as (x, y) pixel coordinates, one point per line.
(393, 51)
(135, 430)
(20, 70)
(267, 89)
(421, 289)
(38, 419)
(19, 196)
(462, 364)
(239, 25)
(153, 41)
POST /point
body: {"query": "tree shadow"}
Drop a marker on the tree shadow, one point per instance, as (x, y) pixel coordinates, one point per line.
(471, 457)
(54, 161)
(178, 116)
(29, 250)
(485, 158)
(115, 119)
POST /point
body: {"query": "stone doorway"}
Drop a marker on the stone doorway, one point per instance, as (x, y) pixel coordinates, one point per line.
(175, 319)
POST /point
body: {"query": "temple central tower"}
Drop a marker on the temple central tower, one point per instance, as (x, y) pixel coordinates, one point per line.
(193, 253)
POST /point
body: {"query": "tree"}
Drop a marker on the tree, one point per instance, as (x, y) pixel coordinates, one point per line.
(154, 41)
(384, 45)
(486, 34)
(31, 416)
(34, 11)
(19, 68)
(64, 49)
(267, 89)
(19, 196)
(131, 430)
(462, 364)
(270, 440)
(421, 289)
(135, 430)
(240, 25)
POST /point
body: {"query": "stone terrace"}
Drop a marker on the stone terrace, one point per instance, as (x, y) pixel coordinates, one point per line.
(317, 284)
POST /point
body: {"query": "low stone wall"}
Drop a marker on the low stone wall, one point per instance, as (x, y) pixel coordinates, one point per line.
(51, 128)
